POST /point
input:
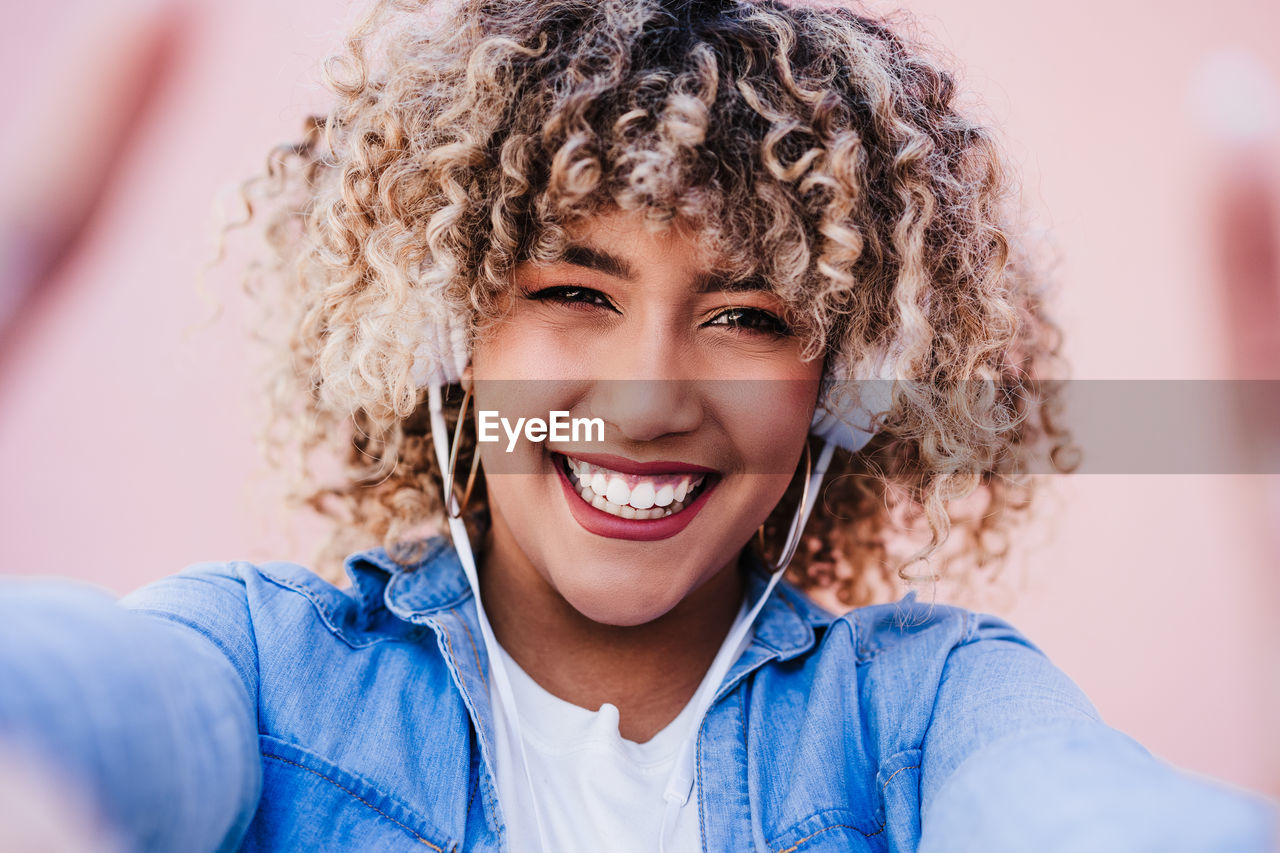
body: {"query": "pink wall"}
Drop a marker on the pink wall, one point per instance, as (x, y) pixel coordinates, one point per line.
(126, 439)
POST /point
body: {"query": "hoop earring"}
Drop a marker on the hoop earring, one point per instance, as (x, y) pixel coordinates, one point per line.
(451, 489)
(793, 535)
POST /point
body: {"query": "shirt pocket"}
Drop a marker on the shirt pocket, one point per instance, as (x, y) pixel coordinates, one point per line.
(309, 803)
(829, 831)
(895, 828)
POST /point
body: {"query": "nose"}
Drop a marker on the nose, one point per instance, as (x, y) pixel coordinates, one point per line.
(647, 392)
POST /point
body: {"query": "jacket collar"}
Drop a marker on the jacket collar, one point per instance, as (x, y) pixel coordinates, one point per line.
(436, 582)
(434, 590)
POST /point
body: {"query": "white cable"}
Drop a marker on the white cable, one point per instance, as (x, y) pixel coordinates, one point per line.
(458, 532)
(680, 785)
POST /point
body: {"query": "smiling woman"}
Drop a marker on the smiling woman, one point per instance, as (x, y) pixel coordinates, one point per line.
(646, 342)
(815, 166)
(756, 244)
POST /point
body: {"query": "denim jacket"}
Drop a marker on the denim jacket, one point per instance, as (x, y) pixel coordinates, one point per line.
(257, 707)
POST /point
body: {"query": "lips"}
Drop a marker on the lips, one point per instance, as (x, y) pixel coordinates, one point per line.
(635, 496)
(650, 501)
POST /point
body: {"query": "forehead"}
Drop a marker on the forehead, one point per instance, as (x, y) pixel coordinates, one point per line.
(626, 246)
(621, 243)
(633, 229)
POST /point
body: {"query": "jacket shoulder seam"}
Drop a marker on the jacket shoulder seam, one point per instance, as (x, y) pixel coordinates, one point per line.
(323, 608)
(215, 640)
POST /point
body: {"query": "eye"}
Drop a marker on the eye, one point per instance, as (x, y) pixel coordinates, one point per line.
(572, 296)
(750, 320)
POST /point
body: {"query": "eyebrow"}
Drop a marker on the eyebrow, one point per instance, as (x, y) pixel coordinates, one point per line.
(600, 260)
(720, 284)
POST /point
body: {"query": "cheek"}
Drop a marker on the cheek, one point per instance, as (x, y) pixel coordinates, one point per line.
(767, 420)
(768, 427)
(523, 347)
(509, 370)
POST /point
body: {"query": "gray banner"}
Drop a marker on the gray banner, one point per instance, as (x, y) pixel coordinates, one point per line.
(1115, 426)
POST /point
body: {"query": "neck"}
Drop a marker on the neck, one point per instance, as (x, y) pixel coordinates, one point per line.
(649, 671)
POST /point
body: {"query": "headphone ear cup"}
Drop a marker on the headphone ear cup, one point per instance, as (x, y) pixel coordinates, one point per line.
(846, 412)
(443, 347)
(443, 354)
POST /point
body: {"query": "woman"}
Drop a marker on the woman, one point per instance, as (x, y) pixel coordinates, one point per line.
(757, 255)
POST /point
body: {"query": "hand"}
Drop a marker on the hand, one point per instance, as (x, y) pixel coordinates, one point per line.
(40, 812)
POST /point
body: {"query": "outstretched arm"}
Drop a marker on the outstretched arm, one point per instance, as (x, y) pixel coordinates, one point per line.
(1017, 759)
(150, 713)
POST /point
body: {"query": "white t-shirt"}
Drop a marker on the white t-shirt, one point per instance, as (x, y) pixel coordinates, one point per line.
(595, 790)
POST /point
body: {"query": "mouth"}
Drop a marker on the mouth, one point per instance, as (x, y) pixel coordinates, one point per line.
(642, 497)
(650, 501)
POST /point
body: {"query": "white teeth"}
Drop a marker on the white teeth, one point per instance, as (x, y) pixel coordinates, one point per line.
(643, 496)
(618, 492)
(644, 501)
(630, 512)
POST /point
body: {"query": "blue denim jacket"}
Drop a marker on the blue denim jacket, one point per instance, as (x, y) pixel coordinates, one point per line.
(257, 707)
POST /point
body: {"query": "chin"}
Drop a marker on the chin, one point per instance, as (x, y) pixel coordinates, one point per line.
(620, 598)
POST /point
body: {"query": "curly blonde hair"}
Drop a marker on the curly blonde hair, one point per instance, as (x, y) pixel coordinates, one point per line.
(815, 147)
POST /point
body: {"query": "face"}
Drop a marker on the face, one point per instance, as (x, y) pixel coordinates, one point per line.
(705, 404)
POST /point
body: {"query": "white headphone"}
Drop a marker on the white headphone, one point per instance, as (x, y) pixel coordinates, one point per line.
(442, 358)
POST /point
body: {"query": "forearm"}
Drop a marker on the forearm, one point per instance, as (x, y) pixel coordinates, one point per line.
(146, 715)
(1017, 758)
(1082, 786)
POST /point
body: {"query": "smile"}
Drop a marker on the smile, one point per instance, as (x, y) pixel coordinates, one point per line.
(633, 496)
(641, 501)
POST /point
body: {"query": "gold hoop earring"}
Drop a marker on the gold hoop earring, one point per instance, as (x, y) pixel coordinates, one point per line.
(793, 535)
(451, 490)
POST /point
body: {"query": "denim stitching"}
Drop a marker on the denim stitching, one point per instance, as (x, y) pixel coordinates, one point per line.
(811, 835)
(448, 642)
(896, 772)
(740, 741)
(472, 800)
(342, 787)
(467, 818)
(697, 750)
(326, 615)
(470, 637)
(882, 828)
(298, 588)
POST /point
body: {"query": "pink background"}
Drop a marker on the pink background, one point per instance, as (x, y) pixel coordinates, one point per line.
(126, 426)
